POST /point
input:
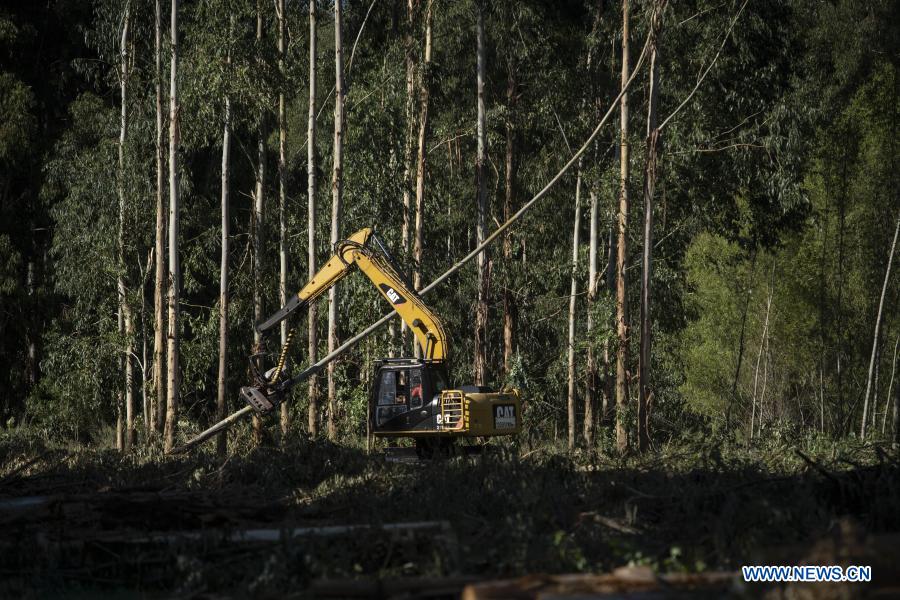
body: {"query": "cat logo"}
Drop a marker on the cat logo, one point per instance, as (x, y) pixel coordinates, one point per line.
(504, 416)
(392, 294)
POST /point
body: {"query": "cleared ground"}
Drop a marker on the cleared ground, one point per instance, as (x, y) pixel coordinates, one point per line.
(272, 520)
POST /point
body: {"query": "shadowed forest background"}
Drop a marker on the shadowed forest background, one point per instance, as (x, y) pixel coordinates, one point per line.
(761, 275)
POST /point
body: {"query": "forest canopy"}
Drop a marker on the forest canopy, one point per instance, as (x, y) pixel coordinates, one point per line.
(754, 151)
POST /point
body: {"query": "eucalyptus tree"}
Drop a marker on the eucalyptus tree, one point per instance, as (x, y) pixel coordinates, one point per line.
(159, 286)
(313, 391)
(282, 190)
(258, 230)
(650, 172)
(337, 183)
(174, 333)
(622, 248)
(481, 196)
(125, 433)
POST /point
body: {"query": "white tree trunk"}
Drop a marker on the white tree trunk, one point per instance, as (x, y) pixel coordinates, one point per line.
(336, 208)
(763, 344)
(408, 148)
(422, 150)
(621, 308)
(174, 264)
(282, 198)
(258, 226)
(887, 400)
(652, 147)
(313, 409)
(159, 300)
(481, 310)
(124, 439)
(573, 296)
(221, 442)
(887, 275)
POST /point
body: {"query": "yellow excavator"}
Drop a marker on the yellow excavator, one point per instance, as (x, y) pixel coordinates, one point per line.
(411, 397)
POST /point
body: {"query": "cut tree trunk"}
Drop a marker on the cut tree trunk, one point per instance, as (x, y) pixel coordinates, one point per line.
(174, 264)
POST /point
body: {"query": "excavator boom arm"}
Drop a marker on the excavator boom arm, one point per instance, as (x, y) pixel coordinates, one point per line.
(375, 263)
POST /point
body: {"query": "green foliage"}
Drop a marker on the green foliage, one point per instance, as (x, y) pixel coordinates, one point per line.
(775, 181)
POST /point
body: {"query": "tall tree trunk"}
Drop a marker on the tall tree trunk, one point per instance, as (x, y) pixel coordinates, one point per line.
(408, 146)
(424, 94)
(887, 275)
(258, 222)
(158, 402)
(337, 184)
(590, 379)
(481, 309)
(652, 147)
(313, 409)
(174, 264)
(282, 197)
(124, 440)
(608, 389)
(509, 202)
(573, 296)
(621, 313)
(741, 339)
(763, 344)
(222, 439)
(843, 417)
(887, 399)
(590, 387)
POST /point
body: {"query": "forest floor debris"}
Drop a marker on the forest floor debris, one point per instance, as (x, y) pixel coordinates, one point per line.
(72, 520)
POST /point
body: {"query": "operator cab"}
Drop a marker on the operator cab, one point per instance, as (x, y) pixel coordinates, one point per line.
(406, 394)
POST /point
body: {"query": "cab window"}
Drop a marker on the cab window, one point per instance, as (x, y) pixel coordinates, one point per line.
(415, 388)
(387, 390)
(437, 379)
